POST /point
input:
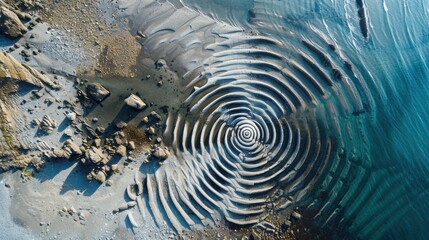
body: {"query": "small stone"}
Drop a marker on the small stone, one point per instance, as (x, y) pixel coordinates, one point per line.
(100, 130)
(151, 131)
(118, 141)
(37, 94)
(155, 115)
(131, 145)
(97, 142)
(160, 83)
(25, 53)
(121, 125)
(296, 215)
(7, 185)
(141, 34)
(81, 216)
(158, 139)
(145, 120)
(72, 210)
(109, 182)
(115, 168)
(95, 120)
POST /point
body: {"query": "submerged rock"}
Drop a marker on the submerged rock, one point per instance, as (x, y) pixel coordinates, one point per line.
(97, 92)
(135, 102)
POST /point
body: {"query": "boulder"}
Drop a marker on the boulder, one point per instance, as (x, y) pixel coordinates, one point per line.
(71, 116)
(135, 102)
(97, 92)
(10, 24)
(160, 153)
(121, 150)
(96, 155)
(101, 177)
(47, 124)
(72, 147)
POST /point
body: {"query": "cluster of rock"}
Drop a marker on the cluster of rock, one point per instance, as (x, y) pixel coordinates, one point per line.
(96, 152)
(97, 92)
(78, 216)
(157, 151)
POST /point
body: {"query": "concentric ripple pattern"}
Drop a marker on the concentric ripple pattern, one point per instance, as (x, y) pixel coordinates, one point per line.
(264, 122)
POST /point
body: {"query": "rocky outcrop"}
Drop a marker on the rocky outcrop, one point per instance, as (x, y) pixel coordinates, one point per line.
(135, 102)
(96, 156)
(10, 24)
(10, 69)
(47, 124)
(97, 92)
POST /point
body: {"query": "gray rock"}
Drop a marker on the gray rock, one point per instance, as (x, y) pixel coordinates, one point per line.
(97, 92)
